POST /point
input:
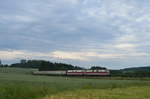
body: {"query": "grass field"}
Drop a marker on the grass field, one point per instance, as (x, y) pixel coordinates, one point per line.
(18, 83)
(117, 93)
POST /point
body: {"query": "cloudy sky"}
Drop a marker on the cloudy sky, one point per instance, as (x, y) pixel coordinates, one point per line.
(111, 33)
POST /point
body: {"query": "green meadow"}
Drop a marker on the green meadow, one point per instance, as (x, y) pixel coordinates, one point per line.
(16, 83)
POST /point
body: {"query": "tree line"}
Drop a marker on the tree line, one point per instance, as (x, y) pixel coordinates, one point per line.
(127, 73)
(43, 65)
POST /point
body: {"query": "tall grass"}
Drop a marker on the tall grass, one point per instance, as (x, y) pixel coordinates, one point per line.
(117, 93)
(23, 85)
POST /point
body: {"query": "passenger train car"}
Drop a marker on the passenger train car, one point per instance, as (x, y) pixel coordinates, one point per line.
(75, 72)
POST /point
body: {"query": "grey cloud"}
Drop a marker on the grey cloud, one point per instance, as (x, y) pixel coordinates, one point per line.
(74, 26)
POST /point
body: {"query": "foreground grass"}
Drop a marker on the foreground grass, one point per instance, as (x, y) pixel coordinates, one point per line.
(20, 84)
(117, 93)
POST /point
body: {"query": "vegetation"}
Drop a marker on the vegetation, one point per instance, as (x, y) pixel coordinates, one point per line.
(132, 72)
(97, 67)
(42, 65)
(18, 83)
(117, 93)
(57, 66)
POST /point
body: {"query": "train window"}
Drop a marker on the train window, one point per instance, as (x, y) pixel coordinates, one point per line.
(94, 70)
(74, 71)
(69, 70)
(88, 70)
(103, 70)
(99, 70)
(79, 70)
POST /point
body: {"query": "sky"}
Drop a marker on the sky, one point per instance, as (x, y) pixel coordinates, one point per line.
(110, 33)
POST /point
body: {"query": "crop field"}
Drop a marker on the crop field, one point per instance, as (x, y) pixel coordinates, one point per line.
(18, 83)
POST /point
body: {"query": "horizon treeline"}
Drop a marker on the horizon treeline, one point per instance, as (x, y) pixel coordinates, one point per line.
(43, 65)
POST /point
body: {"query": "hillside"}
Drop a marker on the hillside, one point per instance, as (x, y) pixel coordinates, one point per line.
(146, 68)
(132, 72)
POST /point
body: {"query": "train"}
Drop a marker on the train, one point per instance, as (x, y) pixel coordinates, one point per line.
(97, 72)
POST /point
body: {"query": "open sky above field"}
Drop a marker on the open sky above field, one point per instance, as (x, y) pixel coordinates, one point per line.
(111, 33)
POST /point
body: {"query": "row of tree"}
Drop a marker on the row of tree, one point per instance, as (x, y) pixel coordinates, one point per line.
(43, 65)
(134, 73)
(3, 65)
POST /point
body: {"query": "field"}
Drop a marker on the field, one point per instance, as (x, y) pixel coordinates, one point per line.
(18, 83)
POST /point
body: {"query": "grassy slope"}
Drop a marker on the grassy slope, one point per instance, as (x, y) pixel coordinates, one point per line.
(117, 93)
(20, 84)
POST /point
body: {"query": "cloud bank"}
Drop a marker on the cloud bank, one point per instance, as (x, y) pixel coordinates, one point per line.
(98, 32)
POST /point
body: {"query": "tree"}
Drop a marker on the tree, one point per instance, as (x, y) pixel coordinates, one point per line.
(97, 67)
(43, 65)
(0, 62)
(23, 61)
